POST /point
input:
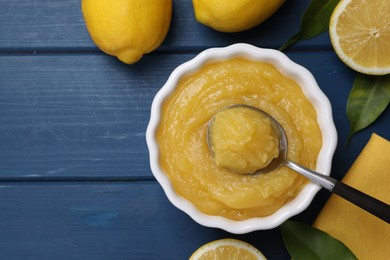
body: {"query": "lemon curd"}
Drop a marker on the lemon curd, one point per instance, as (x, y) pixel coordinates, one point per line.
(243, 140)
(191, 167)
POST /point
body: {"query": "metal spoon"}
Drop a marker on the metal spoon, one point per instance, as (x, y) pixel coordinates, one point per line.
(366, 202)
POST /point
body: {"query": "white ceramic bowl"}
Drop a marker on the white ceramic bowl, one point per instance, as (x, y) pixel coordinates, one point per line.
(310, 88)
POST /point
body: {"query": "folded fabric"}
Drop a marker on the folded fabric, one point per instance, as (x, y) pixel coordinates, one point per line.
(366, 235)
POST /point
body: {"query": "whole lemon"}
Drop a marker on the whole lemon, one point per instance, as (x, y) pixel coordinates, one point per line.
(234, 15)
(127, 29)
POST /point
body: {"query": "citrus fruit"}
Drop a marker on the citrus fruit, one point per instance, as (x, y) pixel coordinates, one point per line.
(127, 29)
(360, 34)
(227, 249)
(234, 15)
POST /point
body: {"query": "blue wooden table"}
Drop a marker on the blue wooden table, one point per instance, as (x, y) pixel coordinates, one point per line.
(75, 180)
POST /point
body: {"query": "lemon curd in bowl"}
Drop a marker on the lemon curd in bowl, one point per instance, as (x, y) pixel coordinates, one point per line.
(214, 195)
(242, 139)
(190, 165)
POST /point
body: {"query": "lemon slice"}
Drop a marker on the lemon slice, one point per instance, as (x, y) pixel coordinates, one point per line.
(227, 249)
(360, 34)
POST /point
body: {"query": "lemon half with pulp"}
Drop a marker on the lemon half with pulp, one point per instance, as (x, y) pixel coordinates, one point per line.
(360, 35)
(227, 249)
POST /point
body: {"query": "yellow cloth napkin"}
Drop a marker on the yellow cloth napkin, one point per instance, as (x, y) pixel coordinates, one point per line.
(367, 236)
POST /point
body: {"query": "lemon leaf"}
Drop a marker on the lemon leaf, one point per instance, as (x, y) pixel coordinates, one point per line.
(369, 97)
(306, 242)
(314, 21)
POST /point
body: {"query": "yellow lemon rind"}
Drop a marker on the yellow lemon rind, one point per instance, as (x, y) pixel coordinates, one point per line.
(227, 242)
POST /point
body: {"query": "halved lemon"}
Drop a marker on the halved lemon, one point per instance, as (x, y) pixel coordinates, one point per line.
(227, 249)
(360, 34)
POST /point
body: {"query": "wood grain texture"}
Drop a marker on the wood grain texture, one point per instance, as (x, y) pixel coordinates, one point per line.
(85, 116)
(58, 25)
(105, 221)
(77, 115)
(75, 181)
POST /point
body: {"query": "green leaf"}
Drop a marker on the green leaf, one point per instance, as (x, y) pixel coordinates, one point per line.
(314, 21)
(369, 97)
(306, 242)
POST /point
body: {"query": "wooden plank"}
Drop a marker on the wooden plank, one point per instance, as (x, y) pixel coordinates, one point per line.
(85, 116)
(72, 123)
(58, 25)
(77, 115)
(105, 221)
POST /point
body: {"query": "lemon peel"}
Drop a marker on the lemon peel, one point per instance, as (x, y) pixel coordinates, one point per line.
(234, 15)
(227, 248)
(127, 29)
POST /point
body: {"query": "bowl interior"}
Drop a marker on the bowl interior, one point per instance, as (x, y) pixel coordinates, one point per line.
(309, 87)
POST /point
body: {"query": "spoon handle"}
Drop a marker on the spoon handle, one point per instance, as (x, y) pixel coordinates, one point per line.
(364, 201)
